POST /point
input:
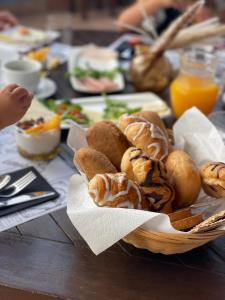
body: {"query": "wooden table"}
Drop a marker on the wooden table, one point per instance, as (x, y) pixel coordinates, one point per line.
(47, 259)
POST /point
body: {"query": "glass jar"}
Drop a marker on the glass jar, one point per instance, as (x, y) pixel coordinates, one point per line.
(195, 85)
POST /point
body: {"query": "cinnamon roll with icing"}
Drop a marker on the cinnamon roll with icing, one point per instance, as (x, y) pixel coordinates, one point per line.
(144, 170)
(213, 179)
(151, 175)
(116, 190)
(145, 135)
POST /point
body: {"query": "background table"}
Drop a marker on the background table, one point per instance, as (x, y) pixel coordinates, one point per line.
(47, 259)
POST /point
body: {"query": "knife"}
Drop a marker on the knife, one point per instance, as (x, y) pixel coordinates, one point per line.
(26, 198)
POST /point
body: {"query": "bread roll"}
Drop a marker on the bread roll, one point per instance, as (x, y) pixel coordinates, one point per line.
(92, 162)
(105, 137)
(213, 179)
(145, 135)
(185, 178)
(116, 190)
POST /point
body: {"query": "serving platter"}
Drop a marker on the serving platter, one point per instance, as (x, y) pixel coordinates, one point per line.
(34, 36)
(94, 106)
(77, 59)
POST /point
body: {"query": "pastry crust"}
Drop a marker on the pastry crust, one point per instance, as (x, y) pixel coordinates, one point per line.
(145, 135)
(187, 223)
(185, 178)
(160, 196)
(154, 118)
(213, 179)
(180, 214)
(105, 137)
(144, 170)
(116, 190)
(93, 162)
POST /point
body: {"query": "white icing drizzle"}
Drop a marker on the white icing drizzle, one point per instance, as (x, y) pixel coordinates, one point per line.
(109, 197)
(126, 204)
(157, 149)
(156, 133)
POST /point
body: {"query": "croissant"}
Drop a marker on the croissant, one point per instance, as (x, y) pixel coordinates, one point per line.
(145, 135)
(144, 170)
(116, 190)
(213, 179)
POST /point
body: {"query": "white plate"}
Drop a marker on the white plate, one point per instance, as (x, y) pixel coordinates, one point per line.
(46, 88)
(99, 64)
(35, 36)
(94, 106)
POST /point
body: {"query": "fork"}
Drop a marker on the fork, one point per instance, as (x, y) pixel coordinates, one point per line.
(18, 185)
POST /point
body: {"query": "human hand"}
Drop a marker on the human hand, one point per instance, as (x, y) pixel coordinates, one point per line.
(14, 102)
(7, 19)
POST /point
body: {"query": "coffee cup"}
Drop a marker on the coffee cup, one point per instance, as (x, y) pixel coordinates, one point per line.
(24, 72)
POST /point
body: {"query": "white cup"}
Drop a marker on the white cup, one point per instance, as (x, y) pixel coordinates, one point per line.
(24, 72)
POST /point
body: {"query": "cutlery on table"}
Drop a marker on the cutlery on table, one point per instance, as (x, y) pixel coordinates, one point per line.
(4, 180)
(26, 198)
(18, 185)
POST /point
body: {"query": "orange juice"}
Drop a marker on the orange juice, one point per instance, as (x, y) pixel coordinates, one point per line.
(190, 90)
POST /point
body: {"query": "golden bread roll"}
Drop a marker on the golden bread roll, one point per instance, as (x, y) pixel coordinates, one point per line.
(93, 162)
(105, 137)
(145, 135)
(160, 197)
(144, 170)
(116, 190)
(213, 179)
(185, 177)
(154, 118)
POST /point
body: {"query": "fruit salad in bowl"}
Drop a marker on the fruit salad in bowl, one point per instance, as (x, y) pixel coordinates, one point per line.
(38, 139)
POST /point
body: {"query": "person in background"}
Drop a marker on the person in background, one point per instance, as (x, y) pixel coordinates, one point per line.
(7, 19)
(164, 12)
(14, 102)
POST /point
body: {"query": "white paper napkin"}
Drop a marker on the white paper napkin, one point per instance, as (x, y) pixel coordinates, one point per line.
(102, 227)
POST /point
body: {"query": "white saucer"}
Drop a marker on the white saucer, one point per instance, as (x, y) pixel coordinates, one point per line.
(46, 88)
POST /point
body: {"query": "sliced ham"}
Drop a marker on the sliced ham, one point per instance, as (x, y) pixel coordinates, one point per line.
(103, 84)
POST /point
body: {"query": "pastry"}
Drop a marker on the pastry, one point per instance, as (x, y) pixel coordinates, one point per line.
(144, 170)
(213, 222)
(105, 137)
(145, 135)
(154, 118)
(185, 177)
(92, 162)
(180, 214)
(187, 223)
(213, 179)
(116, 190)
(38, 139)
(160, 196)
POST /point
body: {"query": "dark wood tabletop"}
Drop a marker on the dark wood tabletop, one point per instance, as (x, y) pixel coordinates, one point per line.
(47, 259)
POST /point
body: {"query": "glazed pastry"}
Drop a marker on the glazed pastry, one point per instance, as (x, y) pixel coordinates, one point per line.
(116, 190)
(180, 214)
(154, 118)
(92, 162)
(144, 170)
(145, 135)
(160, 197)
(185, 178)
(105, 137)
(213, 179)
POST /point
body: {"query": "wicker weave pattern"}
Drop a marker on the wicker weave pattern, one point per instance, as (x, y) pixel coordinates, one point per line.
(165, 243)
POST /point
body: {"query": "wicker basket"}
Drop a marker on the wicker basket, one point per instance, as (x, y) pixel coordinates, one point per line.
(166, 243)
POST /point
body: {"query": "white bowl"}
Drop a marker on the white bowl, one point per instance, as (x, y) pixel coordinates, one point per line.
(24, 72)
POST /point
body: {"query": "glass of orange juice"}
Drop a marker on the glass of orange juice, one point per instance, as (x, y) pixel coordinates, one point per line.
(195, 85)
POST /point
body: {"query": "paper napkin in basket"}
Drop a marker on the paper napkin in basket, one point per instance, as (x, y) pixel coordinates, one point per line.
(102, 227)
